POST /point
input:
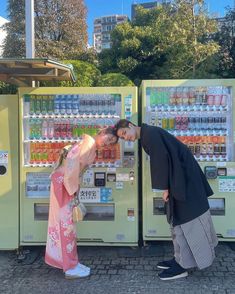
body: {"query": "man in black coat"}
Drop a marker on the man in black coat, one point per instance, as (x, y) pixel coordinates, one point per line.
(185, 190)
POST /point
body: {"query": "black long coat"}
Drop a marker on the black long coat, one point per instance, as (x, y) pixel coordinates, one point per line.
(173, 167)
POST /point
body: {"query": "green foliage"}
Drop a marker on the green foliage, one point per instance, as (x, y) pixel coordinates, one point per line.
(169, 41)
(7, 89)
(86, 73)
(60, 29)
(114, 80)
(226, 39)
(14, 43)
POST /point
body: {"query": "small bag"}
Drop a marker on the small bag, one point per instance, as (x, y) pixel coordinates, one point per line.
(79, 210)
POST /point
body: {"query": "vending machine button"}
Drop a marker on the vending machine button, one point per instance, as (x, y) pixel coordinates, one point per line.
(210, 172)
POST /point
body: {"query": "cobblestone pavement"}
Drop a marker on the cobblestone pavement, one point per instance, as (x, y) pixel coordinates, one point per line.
(114, 270)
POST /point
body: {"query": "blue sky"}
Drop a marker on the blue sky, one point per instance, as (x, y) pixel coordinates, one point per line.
(97, 8)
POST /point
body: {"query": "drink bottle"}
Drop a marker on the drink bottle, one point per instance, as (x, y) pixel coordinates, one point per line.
(50, 132)
(44, 128)
(38, 105)
(63, 104)
(44, 104)
(32, 105)
(57, 104)
(69, 102)
(50, 104)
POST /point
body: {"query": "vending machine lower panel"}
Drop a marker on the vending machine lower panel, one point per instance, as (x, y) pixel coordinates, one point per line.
(9, 172)
(222, 207)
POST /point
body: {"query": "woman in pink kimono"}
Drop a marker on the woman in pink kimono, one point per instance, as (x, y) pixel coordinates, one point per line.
(61, 247)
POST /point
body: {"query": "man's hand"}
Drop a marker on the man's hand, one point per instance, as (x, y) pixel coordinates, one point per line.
(165, 195)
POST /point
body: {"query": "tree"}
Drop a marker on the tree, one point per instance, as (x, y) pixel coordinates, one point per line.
(191, 39)
(226, 39)
(14, 44)
(60, 27)
(169, 41)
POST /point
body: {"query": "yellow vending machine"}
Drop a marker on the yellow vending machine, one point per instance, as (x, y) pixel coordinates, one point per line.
(200, 113)
(9, 179)
(54, 117)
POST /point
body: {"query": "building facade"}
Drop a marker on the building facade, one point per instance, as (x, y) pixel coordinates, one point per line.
(147, 5)
(103, 27)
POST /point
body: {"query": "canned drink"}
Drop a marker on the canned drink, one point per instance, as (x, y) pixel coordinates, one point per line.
(178, 123)
(191, 123)
(204, 121)
(210, 124)
(210, 99)
(217, 100)
(164, 123)
(191, 96)
(171, 122)
(184, 123)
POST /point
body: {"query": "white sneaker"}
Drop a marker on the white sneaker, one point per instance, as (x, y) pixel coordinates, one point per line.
(83, 267)
(77, 272)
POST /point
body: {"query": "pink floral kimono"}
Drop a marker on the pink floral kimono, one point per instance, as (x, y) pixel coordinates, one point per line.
(61, 247)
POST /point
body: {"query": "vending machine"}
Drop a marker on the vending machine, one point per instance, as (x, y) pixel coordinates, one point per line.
(9, 179)
(54, 117)
(200, 113)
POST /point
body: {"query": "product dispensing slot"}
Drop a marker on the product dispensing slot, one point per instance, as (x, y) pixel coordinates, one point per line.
(158, 206)
(217, 206)
(41, 211)
(99, 212)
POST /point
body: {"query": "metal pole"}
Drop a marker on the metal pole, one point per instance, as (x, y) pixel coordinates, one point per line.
(29, 28)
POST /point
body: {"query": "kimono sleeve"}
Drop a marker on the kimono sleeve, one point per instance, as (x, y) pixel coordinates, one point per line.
(159, 165)
(72, 171)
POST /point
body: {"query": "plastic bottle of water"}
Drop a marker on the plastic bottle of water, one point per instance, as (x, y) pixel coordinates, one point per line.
(57, 104)
(69, 101)
(75, 104)
(62, 105)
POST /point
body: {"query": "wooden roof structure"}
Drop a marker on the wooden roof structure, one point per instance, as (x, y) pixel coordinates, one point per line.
(22, 72)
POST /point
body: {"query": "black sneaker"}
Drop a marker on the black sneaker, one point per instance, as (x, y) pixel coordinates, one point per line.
(166, 264)
(172, 273)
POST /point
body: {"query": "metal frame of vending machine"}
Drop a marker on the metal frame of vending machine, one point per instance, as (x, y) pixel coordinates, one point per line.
(9, 172)
(54, 117)
(201, 114)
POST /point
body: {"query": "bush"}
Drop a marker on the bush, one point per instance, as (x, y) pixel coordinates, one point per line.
(7, 88)
(114, 80)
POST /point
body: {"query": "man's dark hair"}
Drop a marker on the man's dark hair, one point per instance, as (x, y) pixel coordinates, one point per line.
(122, 123)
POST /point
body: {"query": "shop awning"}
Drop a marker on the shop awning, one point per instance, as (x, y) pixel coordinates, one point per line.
(22, 72)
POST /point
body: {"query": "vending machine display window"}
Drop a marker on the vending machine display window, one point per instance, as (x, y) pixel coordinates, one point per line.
(53, 121)
(199, 116)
